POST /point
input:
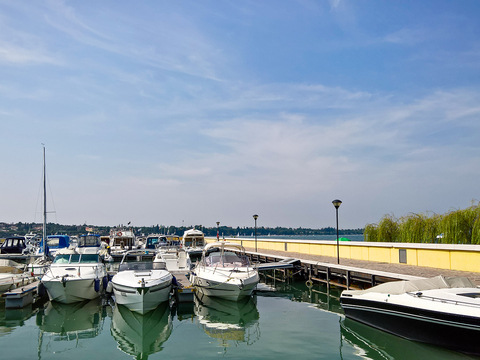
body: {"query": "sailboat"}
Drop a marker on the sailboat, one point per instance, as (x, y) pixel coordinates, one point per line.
(41, 263)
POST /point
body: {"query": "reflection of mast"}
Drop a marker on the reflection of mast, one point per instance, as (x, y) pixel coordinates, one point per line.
(40, 342)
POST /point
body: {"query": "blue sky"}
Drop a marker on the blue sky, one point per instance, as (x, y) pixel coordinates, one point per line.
(192, 112)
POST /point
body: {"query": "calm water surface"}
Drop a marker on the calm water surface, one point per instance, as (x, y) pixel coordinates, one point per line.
(279, 322)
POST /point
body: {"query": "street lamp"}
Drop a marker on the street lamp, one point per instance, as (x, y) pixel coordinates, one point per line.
(255, 217)
(337, 204)
(218, 230)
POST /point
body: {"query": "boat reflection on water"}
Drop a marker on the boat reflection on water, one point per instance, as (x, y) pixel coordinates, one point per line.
(64, 327)
(371, 343)
(230, 322)
(81, 320)
(141, 335)
(13, 318)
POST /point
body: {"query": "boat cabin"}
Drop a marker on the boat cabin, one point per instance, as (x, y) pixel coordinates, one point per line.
(155, 241)
(13, 245)
(193, 238)
(122, 239)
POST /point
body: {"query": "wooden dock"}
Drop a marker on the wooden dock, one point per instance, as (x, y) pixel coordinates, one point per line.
(342, 276)
(22, 296)
(184, 291)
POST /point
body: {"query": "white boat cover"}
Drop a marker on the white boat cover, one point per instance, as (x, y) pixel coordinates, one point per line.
(401, 287)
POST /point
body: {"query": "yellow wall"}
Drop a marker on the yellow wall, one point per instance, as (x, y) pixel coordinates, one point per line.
(422, 255)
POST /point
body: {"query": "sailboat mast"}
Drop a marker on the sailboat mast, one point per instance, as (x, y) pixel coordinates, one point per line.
(44, 204)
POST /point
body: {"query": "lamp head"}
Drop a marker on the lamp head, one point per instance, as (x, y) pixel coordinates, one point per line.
(218, 223)
(255, 216)
(336, 203)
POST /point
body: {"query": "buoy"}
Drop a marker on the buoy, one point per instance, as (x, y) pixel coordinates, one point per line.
(309, 284)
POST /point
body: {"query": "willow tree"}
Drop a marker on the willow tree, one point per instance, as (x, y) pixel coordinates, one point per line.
(371, 232)
(388, 229)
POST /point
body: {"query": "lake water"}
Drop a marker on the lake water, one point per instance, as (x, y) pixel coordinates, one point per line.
(308, 237)
(282, 321)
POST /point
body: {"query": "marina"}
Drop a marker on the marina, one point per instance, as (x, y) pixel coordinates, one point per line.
(289, 286)
(280, 321)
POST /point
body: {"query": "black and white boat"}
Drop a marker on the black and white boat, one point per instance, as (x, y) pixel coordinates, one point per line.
(441, 311)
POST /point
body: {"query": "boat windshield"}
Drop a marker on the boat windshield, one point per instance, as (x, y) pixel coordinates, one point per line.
(62, 259)
(76, 258)
(89, 240)
(154, 241)
(229, 259)
(53, 241)
(140, 266)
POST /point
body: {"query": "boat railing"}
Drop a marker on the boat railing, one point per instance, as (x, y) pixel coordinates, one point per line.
(448, 301)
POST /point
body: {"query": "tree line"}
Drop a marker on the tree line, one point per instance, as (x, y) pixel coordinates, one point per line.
(227, 231)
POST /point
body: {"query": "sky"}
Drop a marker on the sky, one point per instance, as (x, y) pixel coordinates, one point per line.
(192, 112)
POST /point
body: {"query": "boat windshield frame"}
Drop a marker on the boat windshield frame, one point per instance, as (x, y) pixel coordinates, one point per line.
(89, 241)
(226, 259)
(62, 259)
(141, 266)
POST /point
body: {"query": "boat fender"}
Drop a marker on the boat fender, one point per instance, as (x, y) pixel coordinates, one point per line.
(105, 282)
(174, 281)
(109, 287)
(41, 289)
(97, 284)
(64, 280)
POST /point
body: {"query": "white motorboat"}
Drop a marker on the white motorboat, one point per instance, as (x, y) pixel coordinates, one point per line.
(440, 311)
(193, 241)
(75, 277)
(122, 240)
(176, 259)
(141, 286)
(225, 271)
(12, 280)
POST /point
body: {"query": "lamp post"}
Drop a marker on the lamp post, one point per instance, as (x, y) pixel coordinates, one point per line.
(255, 217)
(218, 230)
(337, 204)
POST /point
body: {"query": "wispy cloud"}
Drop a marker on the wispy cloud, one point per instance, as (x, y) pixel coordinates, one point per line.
(173, 43)
(407, 36)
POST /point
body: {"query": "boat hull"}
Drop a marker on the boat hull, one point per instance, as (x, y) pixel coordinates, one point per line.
(142, 299)
(234, 289)
(72, 291)
(445, 329)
